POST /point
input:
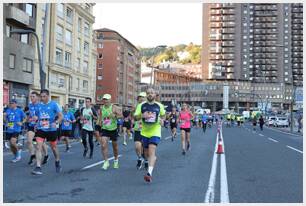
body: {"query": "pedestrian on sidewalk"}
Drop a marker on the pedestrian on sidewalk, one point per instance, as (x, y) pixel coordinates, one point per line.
(261, 122)
(300, 122)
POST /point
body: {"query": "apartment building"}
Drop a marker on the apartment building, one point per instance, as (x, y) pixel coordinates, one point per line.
(70, 52)
(253, 42)
(18, 51)
(118, 67)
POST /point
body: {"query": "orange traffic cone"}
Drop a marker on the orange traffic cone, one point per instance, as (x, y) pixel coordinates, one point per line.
(220, 148)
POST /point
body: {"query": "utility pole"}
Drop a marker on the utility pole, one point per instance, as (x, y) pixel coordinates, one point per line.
(44, 47)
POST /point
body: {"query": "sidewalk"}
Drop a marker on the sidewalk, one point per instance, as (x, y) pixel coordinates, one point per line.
(287, 129)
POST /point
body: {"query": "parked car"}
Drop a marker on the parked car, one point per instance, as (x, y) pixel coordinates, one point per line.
(271, 121)
(281, 122)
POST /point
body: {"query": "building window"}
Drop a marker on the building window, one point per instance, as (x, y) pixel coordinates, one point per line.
(78, 64)
(100, 56)
(8, 30)
(86, 48)
(12, 61)
(79, 45)
(100, 45)
(85, 67)
(100, 66)
(60, 10)
(85, 84)
(29, 9)
(67, 59)
(100, 36)
(99, 77)
(69, 15)
(24, 38)
(79, 25)
(59, 33)
(27, 65)
(59, 56)
(68, 37)
(86, 29)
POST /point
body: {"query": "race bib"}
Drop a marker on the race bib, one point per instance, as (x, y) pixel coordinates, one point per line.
(173, 120)
(10, 125)
(66, 123)
(107, 122)
(152, 118)
(45, 124)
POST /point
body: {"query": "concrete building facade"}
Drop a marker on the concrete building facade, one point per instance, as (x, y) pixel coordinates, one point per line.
(18, 51)
(118, 68)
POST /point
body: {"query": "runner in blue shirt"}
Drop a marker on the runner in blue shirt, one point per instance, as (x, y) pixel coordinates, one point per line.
(14, 118)
(66, 126)
(46, 129)
(204, 121)
(32, 121)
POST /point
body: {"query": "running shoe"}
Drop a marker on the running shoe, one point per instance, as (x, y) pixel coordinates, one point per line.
(45, 160)
(148, 177)
(139, 163)
(18, 154)
(184, 152)
(37, 171)
(172, 138)
(58, 167)
(16, 159)
(6, 144)
(105, 165)
(116, 164)
(124, 143)
(146, 165)
(31, 159)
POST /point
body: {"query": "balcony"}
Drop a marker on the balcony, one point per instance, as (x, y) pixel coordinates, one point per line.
(228, 44)
(228, 50)
(228, 24)
(228, 31)
(228, 37)
(215, 19)
(19, 17)
(228, 18)
(228, 6)
(228, 11)
(216, 6)
(230, 70)
(228, 56)
(215, 25)
(297, 15)
(215, 12)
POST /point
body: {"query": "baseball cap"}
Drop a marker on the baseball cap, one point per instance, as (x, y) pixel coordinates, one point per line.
(107, 96)
(142, 94)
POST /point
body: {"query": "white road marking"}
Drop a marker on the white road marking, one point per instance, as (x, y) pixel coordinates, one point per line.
(97, 163)
(167, 137)
(210, 193)
(284, 132)
(261, 135)
(295, 149)
(272, 139)
(224, 197)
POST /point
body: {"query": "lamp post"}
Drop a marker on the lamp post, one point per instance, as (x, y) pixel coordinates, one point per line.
(152, 65)
(41, 71)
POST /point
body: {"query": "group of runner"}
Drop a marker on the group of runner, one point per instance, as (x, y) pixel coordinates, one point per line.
(45, 117)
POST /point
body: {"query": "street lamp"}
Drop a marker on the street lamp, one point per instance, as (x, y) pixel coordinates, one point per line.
(152, 65)
(41, 71)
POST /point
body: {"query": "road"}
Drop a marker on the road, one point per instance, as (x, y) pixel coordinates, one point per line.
(256, 167)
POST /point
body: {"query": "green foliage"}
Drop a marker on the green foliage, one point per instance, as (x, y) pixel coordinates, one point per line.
(170, 54)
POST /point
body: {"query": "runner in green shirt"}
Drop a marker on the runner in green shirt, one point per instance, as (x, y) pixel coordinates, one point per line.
(151, 113)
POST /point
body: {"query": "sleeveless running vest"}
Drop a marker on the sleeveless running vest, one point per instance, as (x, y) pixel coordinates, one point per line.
(109, 124)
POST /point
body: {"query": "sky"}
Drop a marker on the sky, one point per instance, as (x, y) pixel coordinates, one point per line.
(152, 24)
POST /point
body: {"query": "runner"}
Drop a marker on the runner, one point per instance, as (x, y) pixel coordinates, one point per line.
(151, 113)
(137, 135)
(185, 120)
(88, 114)
(127, 125)
(66, 126)
(173, 116)
(32, 121)
(14, 118)
(46, 129)
(110, 113)
(204, 121)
